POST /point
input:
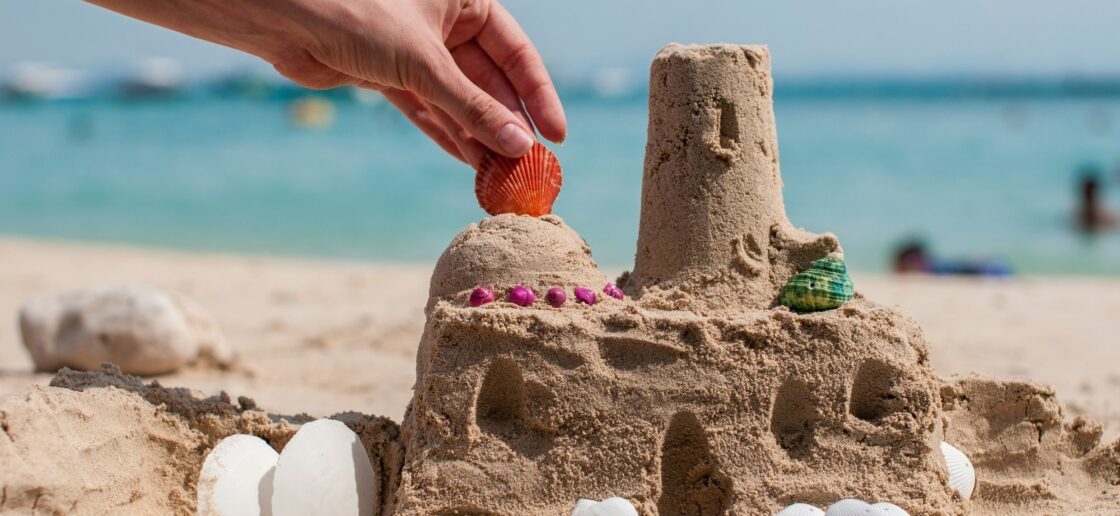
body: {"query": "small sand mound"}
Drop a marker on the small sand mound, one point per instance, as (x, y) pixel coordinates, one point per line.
(99, 442)
(1028, 458)
(67, 452)
(508, 250)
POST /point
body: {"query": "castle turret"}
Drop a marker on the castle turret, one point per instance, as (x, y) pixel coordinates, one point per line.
(713, 224)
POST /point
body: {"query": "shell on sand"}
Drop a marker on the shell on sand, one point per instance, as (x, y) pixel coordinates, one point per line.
(324, 469)
(481, 296)
(962, 476)
(800, 509)
(525, 186)
(236, 477)
(888, 509)
(849, 507)
(556, 297)
(614, 506)
(823, 286)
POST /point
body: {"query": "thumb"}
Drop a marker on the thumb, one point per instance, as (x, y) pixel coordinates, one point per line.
(486, 119)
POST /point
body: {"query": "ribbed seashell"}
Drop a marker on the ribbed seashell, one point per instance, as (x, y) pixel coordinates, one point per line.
(962, 476)
(524, 186)
(823, 286)
(324, 469)
(236, 477)
(849, 507)
(610, 507)
(888, 509)
(800, 509)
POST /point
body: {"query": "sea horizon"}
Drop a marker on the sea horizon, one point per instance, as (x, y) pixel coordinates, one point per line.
(977, 171)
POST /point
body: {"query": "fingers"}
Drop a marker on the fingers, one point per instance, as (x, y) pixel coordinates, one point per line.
(422, 116)
(437, 124)
(481, 70)
(502, 38)
(472, 149)
(481, 115)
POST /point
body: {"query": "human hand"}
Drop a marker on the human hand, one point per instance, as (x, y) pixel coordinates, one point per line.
(459, 69)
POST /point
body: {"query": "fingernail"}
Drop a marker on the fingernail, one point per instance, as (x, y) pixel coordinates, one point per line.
(514, 140)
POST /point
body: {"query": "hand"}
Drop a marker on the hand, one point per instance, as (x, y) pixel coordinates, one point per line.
(458, 69)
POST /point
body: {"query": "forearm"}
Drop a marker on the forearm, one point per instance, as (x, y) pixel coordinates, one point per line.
(265, 28)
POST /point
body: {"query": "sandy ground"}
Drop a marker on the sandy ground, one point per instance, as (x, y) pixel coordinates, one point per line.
(323, 337)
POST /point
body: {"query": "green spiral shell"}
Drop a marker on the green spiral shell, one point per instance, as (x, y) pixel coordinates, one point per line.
(823, 286)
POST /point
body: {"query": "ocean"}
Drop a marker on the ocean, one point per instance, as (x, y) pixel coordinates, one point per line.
(972, 176)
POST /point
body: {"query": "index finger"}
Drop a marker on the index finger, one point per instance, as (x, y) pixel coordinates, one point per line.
(502, 38)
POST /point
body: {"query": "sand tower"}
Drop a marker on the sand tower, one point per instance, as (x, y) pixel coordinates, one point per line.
(696, 395)
(713, 222)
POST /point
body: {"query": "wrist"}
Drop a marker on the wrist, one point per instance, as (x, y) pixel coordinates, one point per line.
(275, 29)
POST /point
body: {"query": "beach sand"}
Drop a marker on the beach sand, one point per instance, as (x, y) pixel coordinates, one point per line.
(321, 337)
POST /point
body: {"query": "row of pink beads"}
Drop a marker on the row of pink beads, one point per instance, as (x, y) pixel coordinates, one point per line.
(556, 296)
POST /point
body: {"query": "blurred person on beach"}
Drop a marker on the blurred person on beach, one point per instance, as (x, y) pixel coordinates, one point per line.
(913, 257)
(462, 71)
(1092, 216)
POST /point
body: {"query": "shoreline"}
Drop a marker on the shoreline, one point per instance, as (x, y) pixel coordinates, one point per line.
(322, 336)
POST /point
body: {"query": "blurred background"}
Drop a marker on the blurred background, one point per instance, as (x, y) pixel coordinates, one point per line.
(957, 136)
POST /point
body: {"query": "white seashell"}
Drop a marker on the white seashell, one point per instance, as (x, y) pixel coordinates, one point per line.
(888, 509)
(583, 507)
(800, 509)
(610, 507)
(849, 507)
(236, 478)
(962, 476)
(324, 469)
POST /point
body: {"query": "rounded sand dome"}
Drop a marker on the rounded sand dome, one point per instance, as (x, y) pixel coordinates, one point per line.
(508, 250)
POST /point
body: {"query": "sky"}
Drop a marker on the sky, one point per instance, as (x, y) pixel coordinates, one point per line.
(896, 38)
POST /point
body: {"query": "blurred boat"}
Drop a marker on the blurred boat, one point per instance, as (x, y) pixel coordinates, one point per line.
(34, 80)
(156, 77)
(613, 83)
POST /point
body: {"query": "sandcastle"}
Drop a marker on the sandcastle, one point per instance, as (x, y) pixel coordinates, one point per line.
(697, 395)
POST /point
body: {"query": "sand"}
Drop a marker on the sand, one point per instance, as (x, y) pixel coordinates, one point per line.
(314, 337)
(332, 328)
(101, 442)
(996, 328)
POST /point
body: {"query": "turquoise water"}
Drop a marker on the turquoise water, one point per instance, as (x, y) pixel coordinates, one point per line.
(972, 176)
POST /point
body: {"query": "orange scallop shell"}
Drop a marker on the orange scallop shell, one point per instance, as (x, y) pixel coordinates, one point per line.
(524, 186)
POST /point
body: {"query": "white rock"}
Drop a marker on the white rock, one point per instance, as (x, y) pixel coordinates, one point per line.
(610, 507)
(236, 478)
(323, 470)
(849, 507)
(888, 509)
(962, 476)
(800, 509)
(142, 330)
